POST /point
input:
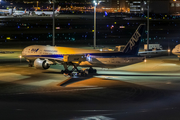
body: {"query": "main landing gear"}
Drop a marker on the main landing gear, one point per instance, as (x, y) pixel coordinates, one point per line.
(76, 71)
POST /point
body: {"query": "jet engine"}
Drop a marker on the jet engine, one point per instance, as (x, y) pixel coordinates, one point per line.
(41, 64)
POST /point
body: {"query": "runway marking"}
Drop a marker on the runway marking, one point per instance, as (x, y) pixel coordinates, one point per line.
(168, 83)
(135, 73)
(42, 83)
(95, 118)
(168, 64)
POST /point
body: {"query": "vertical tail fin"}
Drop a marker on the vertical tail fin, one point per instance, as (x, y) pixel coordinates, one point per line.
(58, 9)
(133, 45)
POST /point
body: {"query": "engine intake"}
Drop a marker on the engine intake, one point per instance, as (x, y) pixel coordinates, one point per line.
(41, 64)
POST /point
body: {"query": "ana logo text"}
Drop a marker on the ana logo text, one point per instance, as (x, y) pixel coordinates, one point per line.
(34, 50)
(134, 39)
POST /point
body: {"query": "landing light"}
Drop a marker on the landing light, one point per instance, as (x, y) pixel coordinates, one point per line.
(169, 50)
(145, 60)
(20, 56)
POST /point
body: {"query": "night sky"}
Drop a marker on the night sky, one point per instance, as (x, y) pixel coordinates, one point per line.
(48, 0)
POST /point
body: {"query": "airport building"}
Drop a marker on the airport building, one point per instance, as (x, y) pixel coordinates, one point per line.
(135, 6)
(165, 6)
(120, 5)
(140, 6)
(174, 6)
(132, 6)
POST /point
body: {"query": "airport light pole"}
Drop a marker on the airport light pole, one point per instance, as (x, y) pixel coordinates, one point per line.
(37, 4)
(147, 25)
(53, 23)
(95, 3)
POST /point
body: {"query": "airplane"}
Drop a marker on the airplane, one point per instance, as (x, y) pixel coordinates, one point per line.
(42, 57)
(19, 13)
(44, 13)
(176, 51)
(4, 11)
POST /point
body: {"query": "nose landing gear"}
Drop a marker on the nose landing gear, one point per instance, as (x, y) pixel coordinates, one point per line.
(31, 63)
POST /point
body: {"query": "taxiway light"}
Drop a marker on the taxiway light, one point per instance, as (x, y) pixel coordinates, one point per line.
(8, 38)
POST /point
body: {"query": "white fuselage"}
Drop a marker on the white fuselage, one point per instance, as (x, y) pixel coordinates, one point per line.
(45, 12)
(176, 50)
(93, 57)
(18, 13)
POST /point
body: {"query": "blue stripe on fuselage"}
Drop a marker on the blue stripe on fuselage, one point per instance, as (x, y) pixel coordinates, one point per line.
(94, 55)
(50, 56)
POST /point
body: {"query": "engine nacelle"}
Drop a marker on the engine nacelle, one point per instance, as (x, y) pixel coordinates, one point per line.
(41, 64)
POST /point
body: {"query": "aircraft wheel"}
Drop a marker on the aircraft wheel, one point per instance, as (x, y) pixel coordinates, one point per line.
(92, 71)
(83, 73)
(62, 71)
(71, 74)
(30, 65)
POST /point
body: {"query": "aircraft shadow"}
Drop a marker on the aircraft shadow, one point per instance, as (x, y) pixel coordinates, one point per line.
(72, 80)
(75, 79)
(52, 72)
(129, 75)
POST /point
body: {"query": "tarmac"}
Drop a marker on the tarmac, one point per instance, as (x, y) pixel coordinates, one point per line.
(147, 90)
